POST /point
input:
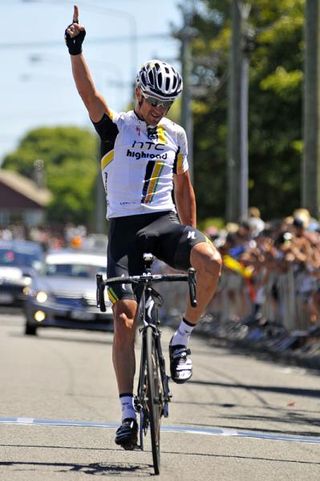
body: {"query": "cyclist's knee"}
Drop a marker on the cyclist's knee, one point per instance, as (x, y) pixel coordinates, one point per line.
(205, 258)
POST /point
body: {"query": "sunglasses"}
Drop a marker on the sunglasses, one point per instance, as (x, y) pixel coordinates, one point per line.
(166, 104)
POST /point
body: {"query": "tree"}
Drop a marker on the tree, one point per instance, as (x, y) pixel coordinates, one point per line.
(70, 169)
(275, 101)
(275, 120)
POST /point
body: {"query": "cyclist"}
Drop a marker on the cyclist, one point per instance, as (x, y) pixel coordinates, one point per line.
(144, 163)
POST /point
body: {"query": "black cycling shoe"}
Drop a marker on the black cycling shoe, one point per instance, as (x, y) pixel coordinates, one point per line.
(127, 434)
(180, 364)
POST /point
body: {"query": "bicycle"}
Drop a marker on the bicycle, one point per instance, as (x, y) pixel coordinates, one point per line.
(153, 393)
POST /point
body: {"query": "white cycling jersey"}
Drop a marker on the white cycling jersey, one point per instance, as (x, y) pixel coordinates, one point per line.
(138, 162)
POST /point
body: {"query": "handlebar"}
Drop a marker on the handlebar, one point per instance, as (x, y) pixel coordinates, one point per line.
(146, 278)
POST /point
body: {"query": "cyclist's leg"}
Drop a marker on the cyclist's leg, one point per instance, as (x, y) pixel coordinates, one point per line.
(182, 247)
(123, 357)
(124, 313)
(207, 262)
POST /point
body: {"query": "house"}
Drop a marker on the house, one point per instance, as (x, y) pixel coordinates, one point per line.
(21, 200)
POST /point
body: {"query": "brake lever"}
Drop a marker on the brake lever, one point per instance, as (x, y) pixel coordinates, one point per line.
(100, 293)
(192, 282)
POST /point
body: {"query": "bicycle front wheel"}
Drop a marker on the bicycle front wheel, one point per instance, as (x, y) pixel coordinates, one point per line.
(154, 393)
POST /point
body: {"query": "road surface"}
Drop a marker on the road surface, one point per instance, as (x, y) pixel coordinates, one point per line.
(239, 418)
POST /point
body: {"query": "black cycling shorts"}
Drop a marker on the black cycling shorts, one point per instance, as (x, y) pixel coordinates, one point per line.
(158, 233)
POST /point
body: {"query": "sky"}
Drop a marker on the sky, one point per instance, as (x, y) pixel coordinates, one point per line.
(36, 85)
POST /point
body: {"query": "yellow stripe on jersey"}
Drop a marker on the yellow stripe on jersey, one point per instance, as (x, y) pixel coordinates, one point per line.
(180, 163)
(106, 159)
(153, 181)
(112, 296)
(161, 135)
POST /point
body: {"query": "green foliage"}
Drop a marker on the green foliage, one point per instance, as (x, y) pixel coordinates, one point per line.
(275, 105)
(70, 169)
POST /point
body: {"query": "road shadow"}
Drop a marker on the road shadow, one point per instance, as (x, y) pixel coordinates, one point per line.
(125, 470)
(288, 419)
(292, 391)
(133, 470)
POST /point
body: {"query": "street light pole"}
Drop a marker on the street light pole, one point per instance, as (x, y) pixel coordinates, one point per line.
(311, 115)
(237, 173)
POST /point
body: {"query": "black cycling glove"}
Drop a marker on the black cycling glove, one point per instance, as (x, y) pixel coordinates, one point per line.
(74, 44)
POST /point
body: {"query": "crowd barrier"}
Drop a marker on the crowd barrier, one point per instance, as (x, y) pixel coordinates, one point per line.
(290, 299)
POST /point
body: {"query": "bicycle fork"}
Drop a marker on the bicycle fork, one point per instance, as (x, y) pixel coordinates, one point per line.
(166, 393)
(154, 300)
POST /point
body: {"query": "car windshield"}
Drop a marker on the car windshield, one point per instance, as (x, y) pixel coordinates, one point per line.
(12, 258)
(73, 270)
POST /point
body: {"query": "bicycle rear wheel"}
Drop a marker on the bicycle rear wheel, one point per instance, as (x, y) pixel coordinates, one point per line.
(154, 393)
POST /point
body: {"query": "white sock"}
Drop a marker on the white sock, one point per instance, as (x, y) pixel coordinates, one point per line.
(182, 334)
(127, 406)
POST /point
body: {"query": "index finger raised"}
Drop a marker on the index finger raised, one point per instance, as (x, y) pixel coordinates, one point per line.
(75, 14)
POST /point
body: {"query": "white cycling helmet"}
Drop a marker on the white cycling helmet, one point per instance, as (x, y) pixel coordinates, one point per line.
(160, 80)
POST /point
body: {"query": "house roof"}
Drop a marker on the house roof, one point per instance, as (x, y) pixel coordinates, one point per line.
(25, 187)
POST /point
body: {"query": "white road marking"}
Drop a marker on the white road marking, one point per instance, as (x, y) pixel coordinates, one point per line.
(197, 430)
(25, 420)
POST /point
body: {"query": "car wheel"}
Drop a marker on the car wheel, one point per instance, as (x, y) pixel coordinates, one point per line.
(30, 330)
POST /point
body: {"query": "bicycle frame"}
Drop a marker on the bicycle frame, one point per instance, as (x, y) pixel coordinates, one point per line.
(153, 393)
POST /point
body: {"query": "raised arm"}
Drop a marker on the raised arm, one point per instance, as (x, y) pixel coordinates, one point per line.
(92, 99)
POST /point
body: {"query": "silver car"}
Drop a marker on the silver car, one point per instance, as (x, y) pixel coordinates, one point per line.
(64, 294)
(19, 262)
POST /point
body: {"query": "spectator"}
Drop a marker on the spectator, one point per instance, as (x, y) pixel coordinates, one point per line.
(256, 224)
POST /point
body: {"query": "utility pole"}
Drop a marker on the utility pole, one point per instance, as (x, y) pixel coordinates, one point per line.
(237, 166)
(311, 116)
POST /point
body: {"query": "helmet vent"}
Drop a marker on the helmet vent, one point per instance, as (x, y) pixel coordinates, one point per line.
(160, 79)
